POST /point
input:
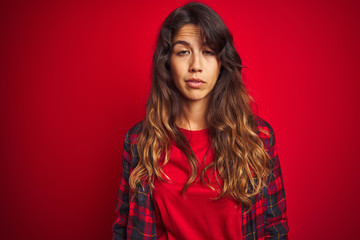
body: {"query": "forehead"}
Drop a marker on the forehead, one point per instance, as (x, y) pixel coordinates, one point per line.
(188, 31)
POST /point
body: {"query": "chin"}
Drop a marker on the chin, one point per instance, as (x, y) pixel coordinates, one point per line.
(195, 98)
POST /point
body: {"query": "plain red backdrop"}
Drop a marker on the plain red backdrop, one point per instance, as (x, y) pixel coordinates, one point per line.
(75, 76)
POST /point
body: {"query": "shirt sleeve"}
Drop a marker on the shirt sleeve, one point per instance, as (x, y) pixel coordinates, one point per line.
(122, 205)
(276, 221)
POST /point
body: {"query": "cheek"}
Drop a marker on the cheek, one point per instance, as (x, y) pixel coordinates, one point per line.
(213, 66)
(216, 71)
(176, 70)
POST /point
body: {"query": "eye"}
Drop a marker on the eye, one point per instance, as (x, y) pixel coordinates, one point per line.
(182, 53)
(210, 53)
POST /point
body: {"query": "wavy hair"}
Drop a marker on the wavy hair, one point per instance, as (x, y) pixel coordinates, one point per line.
(240, 158)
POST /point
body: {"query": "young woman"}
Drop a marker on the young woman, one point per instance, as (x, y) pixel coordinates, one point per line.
(201, 165)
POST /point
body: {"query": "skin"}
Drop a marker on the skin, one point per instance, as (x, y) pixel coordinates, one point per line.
(192, 58)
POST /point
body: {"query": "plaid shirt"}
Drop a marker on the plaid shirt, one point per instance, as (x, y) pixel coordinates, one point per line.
(136, 219)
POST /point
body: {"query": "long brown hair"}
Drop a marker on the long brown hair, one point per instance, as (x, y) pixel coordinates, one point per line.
(240, 158)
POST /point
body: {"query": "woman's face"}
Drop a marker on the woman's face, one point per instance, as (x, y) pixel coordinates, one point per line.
(194, 66)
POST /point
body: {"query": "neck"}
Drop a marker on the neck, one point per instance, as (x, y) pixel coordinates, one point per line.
(194, 115)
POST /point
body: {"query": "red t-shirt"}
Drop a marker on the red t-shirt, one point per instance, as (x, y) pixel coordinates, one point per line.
(195, 215)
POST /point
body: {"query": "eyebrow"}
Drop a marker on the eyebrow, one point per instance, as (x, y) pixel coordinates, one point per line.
(186, 43)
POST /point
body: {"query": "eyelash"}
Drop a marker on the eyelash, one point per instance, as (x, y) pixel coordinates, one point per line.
(181, 53)
(209, 52)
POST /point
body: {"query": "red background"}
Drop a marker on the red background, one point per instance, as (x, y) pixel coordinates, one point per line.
(75, 77)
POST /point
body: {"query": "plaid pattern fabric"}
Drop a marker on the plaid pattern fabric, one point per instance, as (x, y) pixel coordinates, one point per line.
(136, 219)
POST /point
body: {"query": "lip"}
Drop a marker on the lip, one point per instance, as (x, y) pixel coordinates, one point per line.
(194, 82)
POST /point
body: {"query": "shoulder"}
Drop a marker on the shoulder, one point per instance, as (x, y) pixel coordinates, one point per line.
(130, 144)
(135, 130)
(262, 124)
(265, 131)
(133, 133)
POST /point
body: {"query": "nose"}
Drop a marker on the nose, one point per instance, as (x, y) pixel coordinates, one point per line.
(195, 63)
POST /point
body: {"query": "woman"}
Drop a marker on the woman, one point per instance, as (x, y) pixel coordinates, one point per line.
(201, 165)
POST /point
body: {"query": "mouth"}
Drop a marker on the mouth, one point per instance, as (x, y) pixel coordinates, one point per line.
(194, 82)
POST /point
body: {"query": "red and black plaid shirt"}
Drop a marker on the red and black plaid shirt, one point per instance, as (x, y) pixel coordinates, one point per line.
(136, 219)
